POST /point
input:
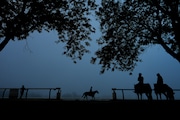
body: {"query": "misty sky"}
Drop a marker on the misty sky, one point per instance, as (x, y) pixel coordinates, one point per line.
(38, 63)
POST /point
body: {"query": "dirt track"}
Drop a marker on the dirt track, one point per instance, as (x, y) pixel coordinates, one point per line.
(79, 109)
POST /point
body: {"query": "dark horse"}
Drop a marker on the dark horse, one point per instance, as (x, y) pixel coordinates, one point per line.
(143, 88)
(91, 94)
(165, 90)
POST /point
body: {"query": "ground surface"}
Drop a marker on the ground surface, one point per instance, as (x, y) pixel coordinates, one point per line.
(57, 109)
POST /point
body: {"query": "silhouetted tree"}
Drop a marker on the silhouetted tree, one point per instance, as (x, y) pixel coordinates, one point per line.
(128, 28)
(70, 18)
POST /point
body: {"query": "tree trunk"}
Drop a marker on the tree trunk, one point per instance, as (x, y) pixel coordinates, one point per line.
(4, 43)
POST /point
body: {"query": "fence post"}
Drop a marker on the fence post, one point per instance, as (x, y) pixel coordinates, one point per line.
(123, 93)
(114, 94)
(58, 96)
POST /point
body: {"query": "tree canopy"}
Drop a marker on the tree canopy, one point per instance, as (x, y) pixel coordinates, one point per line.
(70, 18)
(128, 27)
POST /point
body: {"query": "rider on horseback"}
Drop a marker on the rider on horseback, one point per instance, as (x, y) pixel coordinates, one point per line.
(159, 79)
(140, 79)
(90, 89)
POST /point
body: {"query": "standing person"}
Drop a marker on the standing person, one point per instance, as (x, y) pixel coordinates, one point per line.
(141, 79)
(159, 79)
(22, 91)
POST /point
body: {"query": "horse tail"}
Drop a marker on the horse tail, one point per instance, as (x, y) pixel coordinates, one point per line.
(170, 93)
(83, 95)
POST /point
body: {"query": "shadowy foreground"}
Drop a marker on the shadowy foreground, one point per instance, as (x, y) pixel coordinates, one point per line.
(141, 109)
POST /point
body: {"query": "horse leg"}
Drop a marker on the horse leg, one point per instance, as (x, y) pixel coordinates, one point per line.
(157, 96)
(148, 96)
(160, 96)
(165, 95)
(138, 96)
(141, 96)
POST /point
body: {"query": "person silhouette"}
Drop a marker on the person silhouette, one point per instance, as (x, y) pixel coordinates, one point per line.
(141, 79)
(90, 89)
(159, 79)
(22, 91)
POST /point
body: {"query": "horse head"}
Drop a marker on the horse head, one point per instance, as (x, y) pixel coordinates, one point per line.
(96, 91)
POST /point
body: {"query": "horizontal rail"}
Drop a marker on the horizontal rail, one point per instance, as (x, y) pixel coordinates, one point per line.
(16, 90)
(58, 90)
(114, 96)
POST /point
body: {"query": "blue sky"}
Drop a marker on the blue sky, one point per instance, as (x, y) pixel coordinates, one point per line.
(37, 62)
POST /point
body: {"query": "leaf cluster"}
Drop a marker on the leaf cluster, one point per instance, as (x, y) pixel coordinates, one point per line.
(128, 28)
(70, 18)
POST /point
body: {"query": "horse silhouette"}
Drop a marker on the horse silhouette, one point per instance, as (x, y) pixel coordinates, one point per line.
(91, 94)
(165, 90)
(143, 88)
